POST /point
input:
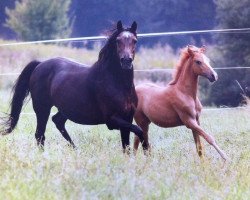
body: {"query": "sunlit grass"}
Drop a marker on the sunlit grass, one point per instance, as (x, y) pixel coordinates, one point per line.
(98, 169)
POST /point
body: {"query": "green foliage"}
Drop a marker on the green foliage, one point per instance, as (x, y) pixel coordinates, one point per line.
(233, 50)
(151, 16)
(38, 20)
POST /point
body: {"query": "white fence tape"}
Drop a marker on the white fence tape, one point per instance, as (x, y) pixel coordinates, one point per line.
(140, 35)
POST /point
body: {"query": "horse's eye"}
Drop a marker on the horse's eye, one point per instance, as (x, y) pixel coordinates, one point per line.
(198, 62)
(135, 41)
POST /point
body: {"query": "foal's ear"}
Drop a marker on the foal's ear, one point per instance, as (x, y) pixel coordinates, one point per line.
(203, 49)
(119, 25)
(190, 51)
(133, 27)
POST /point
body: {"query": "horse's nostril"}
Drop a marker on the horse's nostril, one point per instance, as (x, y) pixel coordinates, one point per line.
(126, 60)
(130, 60)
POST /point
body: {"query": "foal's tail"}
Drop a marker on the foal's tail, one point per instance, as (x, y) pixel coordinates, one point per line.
(21, 90)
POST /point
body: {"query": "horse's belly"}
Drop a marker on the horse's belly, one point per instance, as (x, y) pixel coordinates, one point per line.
(87, 118)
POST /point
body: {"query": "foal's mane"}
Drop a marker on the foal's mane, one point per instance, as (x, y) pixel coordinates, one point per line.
(178, 68)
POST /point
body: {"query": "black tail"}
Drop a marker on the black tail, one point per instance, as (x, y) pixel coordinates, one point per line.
(21, 91)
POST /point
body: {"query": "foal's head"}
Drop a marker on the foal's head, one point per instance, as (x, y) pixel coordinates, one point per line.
(200, 63)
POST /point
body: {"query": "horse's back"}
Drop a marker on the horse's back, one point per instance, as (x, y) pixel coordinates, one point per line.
(59, 64)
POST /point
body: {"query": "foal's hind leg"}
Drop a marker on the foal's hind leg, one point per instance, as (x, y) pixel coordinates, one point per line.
(59, 121)
(143, 122)
(144, 128)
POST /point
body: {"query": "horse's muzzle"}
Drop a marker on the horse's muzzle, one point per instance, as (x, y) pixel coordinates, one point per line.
(126, 63)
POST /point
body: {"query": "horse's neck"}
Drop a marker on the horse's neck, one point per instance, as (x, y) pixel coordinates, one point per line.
(188, 81)
(123, 78)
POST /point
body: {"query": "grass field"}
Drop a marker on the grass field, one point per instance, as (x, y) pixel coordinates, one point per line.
(99, 170)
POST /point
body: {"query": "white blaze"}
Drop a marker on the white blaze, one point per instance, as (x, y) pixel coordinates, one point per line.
(207, 62)
(127, 34)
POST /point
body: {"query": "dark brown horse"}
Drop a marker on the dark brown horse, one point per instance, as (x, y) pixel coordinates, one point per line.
(101, 94)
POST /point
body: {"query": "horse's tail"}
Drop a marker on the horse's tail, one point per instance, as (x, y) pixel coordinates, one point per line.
(21, 90)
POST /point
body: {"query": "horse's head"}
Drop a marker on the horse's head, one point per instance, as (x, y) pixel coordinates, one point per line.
(125, 45)
(200, 63)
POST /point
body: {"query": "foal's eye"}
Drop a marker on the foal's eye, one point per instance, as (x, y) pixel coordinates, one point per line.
(135, 41)
(198, 62)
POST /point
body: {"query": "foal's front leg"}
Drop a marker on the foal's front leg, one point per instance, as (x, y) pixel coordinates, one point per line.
(197, 141)
(198, 144)
(192, 124)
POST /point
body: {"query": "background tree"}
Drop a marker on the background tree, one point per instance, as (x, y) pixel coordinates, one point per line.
(93, 17)
(233, 50)
(39, 20)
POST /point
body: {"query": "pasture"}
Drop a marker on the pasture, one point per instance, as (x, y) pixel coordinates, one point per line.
(98, 169)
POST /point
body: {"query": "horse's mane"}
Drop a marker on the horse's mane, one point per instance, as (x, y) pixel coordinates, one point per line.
(178, 68)
(108, 49)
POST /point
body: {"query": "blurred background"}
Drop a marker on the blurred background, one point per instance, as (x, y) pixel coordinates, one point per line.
(29, 20)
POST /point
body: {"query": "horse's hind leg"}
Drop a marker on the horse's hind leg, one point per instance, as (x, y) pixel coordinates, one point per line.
(60, 121)
(42, 115)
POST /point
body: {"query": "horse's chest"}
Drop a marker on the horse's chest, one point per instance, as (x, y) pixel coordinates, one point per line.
(129, 105)
(122, 102)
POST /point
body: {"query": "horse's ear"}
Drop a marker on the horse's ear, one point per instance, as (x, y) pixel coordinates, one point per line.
(133, 27)
(203, 49)
(119, 25)
(190, 51)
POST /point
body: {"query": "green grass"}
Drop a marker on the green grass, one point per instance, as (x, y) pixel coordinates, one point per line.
(99, 170)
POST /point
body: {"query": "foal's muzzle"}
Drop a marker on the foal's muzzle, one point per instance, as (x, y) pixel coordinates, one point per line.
(212, 77)
(126, 63)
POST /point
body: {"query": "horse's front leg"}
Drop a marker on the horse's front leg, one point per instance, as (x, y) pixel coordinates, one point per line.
(125, 133)
(118, 123)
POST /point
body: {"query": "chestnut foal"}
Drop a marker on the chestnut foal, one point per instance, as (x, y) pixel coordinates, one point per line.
(177, 104)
